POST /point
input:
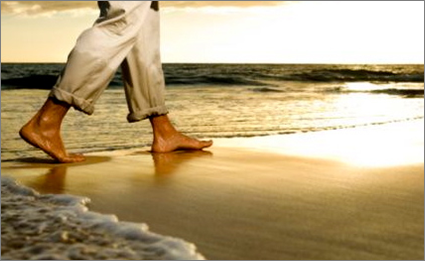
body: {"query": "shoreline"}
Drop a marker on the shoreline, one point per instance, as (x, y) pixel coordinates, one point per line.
(343, 194)
(383, 142)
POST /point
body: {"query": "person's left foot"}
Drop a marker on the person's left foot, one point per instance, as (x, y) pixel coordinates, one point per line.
(43, 131)
(49, 141)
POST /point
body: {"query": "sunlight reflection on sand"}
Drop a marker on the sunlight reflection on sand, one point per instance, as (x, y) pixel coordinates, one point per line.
(372, 146)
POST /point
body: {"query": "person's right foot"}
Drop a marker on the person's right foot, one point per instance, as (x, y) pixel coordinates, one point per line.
(178, 141)
(49, 141)
(167, 138)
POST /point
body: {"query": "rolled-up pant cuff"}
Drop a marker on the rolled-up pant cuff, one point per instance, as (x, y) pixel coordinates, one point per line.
(78, 103)
(144, 114)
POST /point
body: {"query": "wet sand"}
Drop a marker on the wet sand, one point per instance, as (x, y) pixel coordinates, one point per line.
(303, 196)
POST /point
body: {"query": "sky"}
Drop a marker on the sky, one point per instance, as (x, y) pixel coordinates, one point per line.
(233, 31)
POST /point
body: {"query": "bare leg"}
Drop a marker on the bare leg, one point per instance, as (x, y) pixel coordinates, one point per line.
(167, 138)
(43, 131)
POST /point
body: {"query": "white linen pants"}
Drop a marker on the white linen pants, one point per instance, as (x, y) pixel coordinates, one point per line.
(126, 34)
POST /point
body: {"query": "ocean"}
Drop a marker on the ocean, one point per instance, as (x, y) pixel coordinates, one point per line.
(221, 100)
(205, 101)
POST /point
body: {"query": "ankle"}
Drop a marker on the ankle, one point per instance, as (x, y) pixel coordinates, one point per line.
(51, 114)
(162, 127)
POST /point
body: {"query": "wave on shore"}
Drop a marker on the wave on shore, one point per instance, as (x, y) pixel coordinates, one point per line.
(60, 227)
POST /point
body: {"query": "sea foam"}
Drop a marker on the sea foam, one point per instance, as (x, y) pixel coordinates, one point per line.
(36, 226)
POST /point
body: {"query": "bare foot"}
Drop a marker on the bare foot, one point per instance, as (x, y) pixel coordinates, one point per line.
(178, 141)
(48, 141)
(166, 138)
(43, 131)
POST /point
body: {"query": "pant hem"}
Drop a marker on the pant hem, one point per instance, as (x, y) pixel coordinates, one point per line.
(78, 103)
(144, 114)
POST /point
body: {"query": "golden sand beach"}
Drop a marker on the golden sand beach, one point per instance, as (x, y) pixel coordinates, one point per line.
(344, 194)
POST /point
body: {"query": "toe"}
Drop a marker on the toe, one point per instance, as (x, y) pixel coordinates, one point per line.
(207, 144)
(72, 158)
(78, 157)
